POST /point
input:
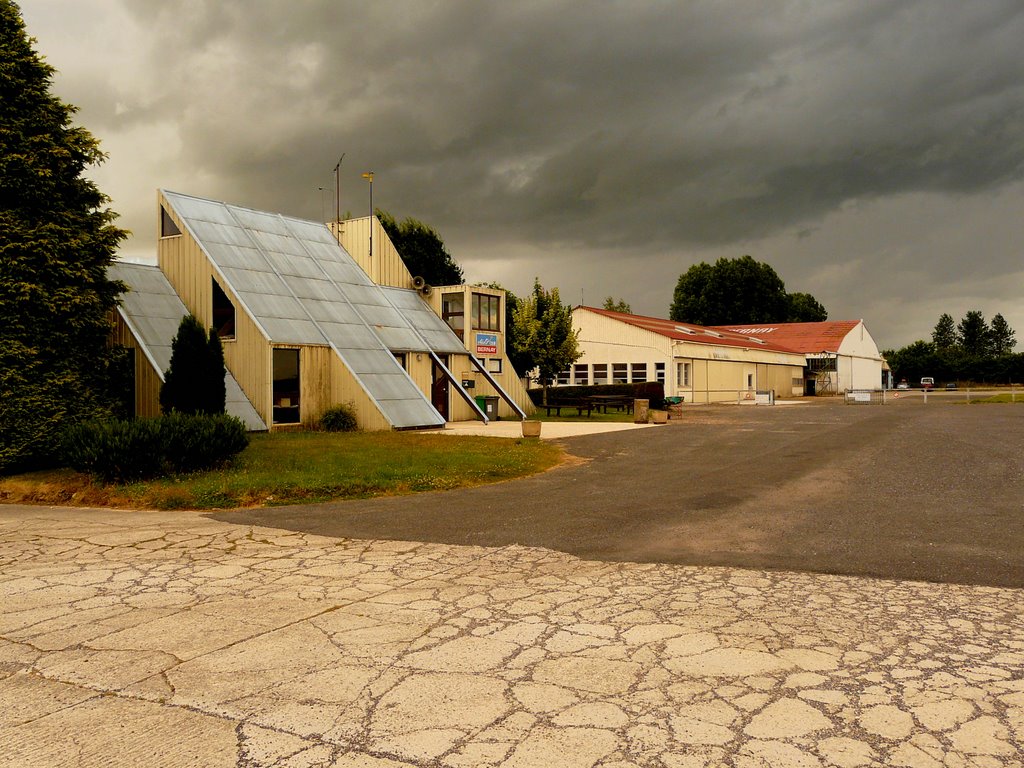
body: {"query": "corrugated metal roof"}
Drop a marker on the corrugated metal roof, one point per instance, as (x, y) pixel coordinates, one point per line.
(153, 312)
(693, 334)
(302, 287)
(808, 338)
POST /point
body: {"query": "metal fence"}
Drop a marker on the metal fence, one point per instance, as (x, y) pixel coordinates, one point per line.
(960, 395)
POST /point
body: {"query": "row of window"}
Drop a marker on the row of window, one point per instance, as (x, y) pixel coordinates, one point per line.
(584, 374)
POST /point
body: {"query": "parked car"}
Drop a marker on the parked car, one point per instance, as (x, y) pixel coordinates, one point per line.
(903, 384)
(927, 382)
(951, 386)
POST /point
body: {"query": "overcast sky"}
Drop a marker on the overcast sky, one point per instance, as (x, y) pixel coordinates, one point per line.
(871, 152)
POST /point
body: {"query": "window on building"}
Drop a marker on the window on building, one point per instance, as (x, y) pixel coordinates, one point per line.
(400, 357)
(562, 378)
(620, 373)
(581, 374)
(453, 312)
(750, 381)
(167, 226)
(659, 373)
(600, 373)
(223, 312)
(682, 374)
(494, 364)
(286, 386)
(485, 312)
(639, 371)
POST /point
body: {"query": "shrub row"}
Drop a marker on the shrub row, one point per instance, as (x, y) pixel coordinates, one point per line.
(643, 390)
(120, 451)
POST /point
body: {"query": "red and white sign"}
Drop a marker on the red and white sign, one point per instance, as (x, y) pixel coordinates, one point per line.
(487, 343)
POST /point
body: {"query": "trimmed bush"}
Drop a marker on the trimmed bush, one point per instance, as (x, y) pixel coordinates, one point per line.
(122, 451)
(115, 451)
(339, 418)
(192, 442)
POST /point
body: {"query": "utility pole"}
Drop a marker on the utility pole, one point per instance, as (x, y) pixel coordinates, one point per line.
(337, 198)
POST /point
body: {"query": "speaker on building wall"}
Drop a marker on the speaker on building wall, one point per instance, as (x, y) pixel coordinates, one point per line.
(426, 290)
(418, 283)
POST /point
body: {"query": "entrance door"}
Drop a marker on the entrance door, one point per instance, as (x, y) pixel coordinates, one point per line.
(439, 387)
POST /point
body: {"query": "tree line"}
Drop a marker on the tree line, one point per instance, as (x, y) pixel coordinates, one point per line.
(973, 350)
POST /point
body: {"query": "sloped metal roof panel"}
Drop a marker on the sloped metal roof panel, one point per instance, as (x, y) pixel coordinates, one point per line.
(304, 288)
(435, 331)
(401, 339)
(153, 311)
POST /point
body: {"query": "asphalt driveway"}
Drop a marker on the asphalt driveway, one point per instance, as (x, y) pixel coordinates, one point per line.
(910, 491)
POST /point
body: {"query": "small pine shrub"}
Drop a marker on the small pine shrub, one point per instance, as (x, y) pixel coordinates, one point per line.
(339, 418)
(194, 382)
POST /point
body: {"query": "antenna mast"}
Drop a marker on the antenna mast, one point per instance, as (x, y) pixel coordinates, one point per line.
(337, 197)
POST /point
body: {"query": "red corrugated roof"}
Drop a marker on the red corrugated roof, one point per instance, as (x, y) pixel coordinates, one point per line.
(695, 334)
(803, 337)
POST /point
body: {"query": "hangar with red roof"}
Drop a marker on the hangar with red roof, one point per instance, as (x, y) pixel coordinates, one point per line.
(723, 364)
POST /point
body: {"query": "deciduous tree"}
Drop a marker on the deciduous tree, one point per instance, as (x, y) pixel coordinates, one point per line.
(545, 338)
(804, 308)
(422, 249)
(617, 306)
(57, 239)
(736, 291)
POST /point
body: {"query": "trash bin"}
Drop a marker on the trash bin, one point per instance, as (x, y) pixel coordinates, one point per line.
(489, 405)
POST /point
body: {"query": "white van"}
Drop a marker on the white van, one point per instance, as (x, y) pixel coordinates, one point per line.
(927, 382)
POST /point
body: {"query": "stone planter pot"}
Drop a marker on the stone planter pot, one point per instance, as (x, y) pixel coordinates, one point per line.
(659, 417)
(531, 428)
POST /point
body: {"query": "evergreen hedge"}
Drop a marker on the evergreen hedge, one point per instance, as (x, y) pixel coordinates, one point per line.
(122, 451)
(643, 390)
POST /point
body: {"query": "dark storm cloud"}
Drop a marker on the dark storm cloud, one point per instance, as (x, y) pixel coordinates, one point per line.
(597, 123)
(872, 152)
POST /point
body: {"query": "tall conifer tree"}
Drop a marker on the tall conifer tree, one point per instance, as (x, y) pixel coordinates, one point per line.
(57, 239)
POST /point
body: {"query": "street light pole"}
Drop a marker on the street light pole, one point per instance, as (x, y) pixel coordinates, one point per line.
(369, 177)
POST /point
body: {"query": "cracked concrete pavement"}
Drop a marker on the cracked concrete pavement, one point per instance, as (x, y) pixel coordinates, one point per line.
(170, 639)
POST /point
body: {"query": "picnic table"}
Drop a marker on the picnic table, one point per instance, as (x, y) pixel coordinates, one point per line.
(579, 405)
(603, 402)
